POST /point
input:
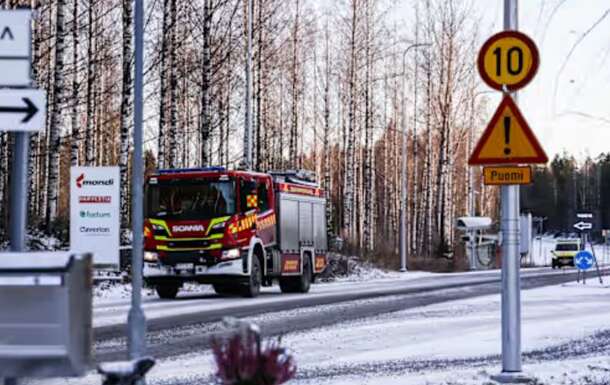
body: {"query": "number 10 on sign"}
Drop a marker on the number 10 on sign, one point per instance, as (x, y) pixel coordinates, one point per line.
(510, 59)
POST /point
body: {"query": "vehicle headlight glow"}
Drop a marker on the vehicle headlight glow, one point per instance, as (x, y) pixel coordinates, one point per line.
(219, 226)
(230, 254)
(151, 256)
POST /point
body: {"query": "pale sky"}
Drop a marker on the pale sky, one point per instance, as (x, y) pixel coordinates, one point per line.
(569, 108)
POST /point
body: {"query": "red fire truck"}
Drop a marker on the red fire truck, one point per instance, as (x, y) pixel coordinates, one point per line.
(236, 230)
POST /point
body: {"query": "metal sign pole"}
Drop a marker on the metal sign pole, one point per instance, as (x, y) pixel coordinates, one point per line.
(136, 320)
(599, 274)
(511, 285)
(19, 196)
(19, 200)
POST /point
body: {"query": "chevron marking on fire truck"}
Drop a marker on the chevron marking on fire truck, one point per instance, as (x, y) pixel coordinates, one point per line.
(266, 222)
(247, 222)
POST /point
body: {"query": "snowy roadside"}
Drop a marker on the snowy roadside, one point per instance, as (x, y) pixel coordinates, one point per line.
(109, 291)
(566, 337)
(566, 334)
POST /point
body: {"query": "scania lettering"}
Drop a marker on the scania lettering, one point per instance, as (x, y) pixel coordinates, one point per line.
(236, 230)
(186, 228)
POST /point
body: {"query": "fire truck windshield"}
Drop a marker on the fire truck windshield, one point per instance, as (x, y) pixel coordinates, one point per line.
(190, 199)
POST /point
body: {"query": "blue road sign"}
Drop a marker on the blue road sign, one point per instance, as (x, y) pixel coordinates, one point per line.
(583, 260)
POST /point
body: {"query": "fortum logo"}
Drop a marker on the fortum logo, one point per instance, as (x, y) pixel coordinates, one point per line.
(81, 181)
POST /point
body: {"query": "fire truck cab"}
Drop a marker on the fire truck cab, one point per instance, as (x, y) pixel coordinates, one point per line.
(236, 230)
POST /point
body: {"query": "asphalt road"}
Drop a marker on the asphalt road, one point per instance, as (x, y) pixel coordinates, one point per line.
(181, 330)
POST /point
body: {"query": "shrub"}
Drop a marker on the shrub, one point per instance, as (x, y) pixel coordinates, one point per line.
(241, 360)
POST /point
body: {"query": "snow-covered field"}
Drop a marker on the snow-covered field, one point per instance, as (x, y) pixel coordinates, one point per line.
(456, 343)
(566, 334)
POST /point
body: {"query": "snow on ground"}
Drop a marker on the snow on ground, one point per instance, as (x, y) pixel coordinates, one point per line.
(106, 292)
(566, 333)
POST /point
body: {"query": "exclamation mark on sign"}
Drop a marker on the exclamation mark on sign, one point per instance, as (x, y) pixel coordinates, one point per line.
(507, 135)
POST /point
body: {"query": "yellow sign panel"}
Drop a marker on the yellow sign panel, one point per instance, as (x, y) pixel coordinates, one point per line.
(507, 175)
(508, 58)
(507, 139)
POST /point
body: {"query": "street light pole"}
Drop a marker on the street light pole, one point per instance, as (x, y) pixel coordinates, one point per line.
(511, 285)
(248, 94)
(136, 320)
(403, 168)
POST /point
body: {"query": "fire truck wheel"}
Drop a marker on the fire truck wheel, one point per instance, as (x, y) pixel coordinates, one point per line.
(299, 284)
(167, 291)
(253, 287)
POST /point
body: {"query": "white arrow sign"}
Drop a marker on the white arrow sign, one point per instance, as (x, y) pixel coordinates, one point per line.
(22, 110)
(15, 48)
(583, 225)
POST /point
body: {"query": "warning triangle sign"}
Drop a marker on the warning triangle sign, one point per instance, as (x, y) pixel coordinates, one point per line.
(508, 139)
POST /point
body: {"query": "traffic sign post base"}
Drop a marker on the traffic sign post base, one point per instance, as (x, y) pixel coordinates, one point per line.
(513, 378)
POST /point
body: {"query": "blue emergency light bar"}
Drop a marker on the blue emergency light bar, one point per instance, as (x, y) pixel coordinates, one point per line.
(186, 170)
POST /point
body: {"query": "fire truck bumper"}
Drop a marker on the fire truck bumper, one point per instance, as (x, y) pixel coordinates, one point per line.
(156, 273)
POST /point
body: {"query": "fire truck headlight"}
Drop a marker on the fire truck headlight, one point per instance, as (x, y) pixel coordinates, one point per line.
(150, 256)
(219, 226)
(231, 254)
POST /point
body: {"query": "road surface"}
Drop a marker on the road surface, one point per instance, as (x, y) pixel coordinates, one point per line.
(188, 323)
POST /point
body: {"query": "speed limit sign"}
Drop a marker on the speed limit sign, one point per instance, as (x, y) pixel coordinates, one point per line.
(510, 59)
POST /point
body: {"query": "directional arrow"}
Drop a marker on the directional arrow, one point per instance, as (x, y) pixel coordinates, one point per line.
(583, 226)
(583, 260)
(22, 109)
(30, 110)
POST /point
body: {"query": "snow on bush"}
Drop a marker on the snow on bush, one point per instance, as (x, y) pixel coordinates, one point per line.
(242, 360)
(352, 269)
(37, 240)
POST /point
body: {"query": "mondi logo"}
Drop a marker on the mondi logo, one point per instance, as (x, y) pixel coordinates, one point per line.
(94, 214)
(81, 181)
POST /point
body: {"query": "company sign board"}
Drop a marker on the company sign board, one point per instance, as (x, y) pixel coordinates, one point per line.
(95, 213)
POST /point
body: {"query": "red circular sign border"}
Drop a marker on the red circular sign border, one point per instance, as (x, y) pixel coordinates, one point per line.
(500, 35)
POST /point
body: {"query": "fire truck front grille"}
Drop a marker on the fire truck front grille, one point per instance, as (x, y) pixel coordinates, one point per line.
(172, 258)
(177, 244)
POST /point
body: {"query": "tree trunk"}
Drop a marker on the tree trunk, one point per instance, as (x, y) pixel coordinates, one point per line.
(56, 115)
(205, 84)
(126, 107)
(163, 87)
(91, 78)
(75, 85)
(173, 86)
(348, 203)
(293, 151)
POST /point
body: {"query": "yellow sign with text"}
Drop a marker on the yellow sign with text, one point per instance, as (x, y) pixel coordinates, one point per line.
(507, 175)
